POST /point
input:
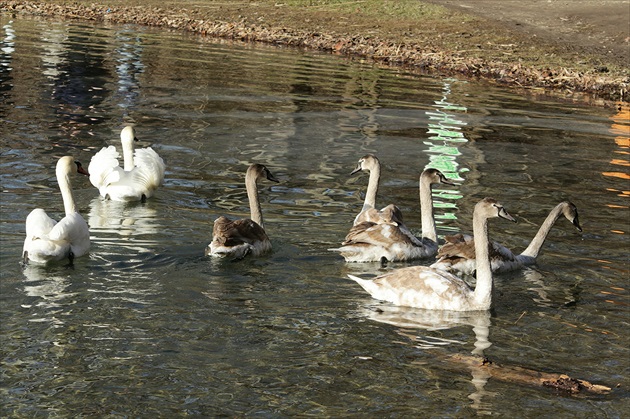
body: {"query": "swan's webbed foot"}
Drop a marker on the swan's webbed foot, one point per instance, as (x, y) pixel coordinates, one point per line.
(70, 260)
(384, 262)
(242, 256)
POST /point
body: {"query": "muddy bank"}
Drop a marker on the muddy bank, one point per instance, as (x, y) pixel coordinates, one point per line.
(508, 64)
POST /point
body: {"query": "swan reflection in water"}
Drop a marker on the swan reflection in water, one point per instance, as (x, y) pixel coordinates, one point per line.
(407, 318)
(49, 292)
(110, 221)
(548, 295)
(125, 237)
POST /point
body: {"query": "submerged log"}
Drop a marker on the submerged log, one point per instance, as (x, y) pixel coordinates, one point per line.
(525, 376)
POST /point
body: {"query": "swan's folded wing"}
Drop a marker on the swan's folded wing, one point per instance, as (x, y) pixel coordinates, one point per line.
(149, 168)
(420, 286)
(367, 214)
(391, 214)
(38, 224)
(456, 248)
(383, 235)
(104, 167)
(71, 228)
(458, 238)
(462, 247)
(234, 233)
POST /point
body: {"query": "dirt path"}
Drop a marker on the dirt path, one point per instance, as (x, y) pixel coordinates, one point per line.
(598, 27)
(575, 49)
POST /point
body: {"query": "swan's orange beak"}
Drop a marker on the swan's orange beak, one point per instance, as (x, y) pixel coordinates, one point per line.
(81, 170)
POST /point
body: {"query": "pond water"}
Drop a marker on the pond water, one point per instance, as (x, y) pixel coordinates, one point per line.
(147, 326)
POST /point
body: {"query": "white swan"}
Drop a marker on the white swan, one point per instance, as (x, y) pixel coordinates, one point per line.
(142, 173)
(458, 254)
(48, 240)
(236, 239)
(390, 214)
(435, 289)
(392, 241)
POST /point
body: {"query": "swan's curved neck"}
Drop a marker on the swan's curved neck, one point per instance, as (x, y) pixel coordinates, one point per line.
(372, 189)
(483, 288)
(538, 240)
(426, 210)
(66, 193)
(252, 195)
(127, 149)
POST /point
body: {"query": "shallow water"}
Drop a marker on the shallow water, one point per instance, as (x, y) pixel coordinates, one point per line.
(146, 325)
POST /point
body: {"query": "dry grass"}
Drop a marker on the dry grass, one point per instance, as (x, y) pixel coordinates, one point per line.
(396, 32)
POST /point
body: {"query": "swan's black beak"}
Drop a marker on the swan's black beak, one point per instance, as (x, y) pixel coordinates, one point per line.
(358, 169)
(504, 214)
(446, 181)
(271, 177)
(576, 223)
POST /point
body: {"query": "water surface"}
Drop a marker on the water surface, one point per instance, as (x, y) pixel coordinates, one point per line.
(146, 325)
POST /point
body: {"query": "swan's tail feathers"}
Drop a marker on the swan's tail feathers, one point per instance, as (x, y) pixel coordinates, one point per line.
(348, 254)
(370, 286)
(441, 264)
(103, 167)
(233, 253)
(361, 252)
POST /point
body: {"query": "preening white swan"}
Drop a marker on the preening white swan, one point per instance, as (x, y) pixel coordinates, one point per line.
(458, 254)
(142, 173)
(391, 240)
(236, 239)
(389, 214)
(48, 240)
(435, 289)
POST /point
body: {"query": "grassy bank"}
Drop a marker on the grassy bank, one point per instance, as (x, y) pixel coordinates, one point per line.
(423, 36)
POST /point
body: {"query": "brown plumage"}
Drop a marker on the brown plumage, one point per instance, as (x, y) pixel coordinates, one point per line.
(460, 247)
(239, 238)
(388, 238)
(458, 253)
(233, 233)
(390, 214)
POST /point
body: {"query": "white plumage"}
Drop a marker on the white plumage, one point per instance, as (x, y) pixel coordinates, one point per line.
(48, 240)
(137, 180)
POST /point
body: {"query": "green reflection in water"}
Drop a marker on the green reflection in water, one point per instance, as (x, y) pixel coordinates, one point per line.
(445, 137)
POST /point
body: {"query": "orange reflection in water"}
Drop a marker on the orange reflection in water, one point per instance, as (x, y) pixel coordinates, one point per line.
(621, 128)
